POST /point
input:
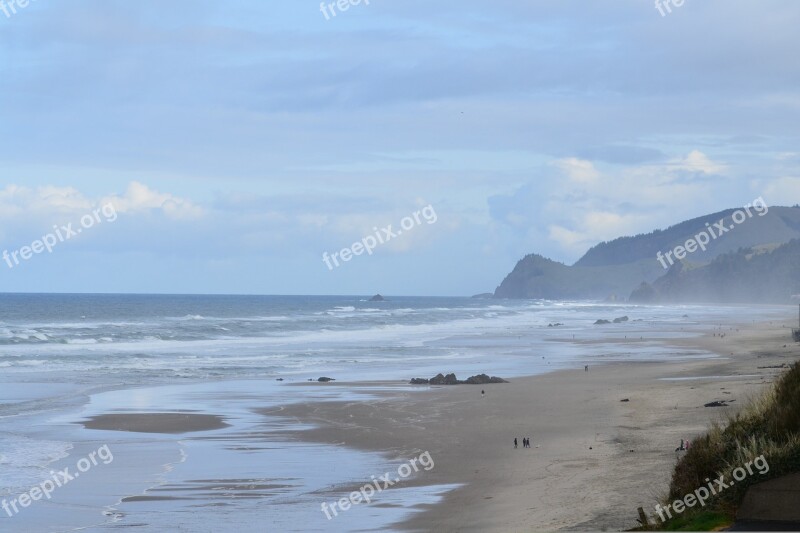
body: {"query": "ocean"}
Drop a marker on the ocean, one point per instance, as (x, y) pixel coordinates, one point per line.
(152, 338)
(67, 357)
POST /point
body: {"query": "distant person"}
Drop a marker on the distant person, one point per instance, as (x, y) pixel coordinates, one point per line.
(586, 368)
(515, 442)
(483, 392)
(681, 447)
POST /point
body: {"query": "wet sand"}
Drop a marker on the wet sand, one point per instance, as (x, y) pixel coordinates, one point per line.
(595, 458)
(170, 423)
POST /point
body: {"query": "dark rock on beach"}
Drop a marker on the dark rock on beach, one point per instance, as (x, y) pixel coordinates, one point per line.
(325, 380)
(450, 379)
(722, 403)
(482, 379)
(438, 379)
(618, 320)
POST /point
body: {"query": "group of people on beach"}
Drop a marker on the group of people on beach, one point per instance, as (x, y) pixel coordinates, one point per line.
(683, 447)
(526, 442)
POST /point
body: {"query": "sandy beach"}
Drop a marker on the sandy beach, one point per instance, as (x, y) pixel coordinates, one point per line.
(224, 454)
(603, 441)
(155, 422)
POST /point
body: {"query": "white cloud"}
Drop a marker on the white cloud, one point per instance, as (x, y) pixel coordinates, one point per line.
(139, 197)
(593, 227)
(16, 200)
(578, 170)
(598, 204)
(697, 161)
(782, 191)
(19, 202)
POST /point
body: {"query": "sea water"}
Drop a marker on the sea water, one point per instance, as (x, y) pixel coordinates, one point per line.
(66, 357)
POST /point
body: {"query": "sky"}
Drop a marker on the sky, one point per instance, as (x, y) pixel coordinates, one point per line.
(226, 147)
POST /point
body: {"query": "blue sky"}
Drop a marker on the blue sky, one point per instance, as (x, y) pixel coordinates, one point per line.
(241, 140)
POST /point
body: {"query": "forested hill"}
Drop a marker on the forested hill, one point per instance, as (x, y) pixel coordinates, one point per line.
(616, 268)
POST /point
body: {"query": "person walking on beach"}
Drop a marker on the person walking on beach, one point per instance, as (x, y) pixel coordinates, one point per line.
(515, 442)
(586, 368)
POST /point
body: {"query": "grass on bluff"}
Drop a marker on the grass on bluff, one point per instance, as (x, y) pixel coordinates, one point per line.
(768, 426)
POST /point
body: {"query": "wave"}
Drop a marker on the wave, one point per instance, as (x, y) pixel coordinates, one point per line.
(188, 317)
(29, 335)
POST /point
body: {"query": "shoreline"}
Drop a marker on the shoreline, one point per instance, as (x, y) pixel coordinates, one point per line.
(227, 431)
(560, 483)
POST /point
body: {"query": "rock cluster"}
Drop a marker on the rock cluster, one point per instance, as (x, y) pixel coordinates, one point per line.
(450, 379)
(616, 321)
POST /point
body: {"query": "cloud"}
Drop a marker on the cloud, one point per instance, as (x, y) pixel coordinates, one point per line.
(697, 161)
(323, 131)
(139, 197)
(578, 170)
(598, 203)
(782, 191)
(17, 200)
(593, 227)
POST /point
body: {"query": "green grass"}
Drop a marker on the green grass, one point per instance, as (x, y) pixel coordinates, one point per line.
(768, 426)
(700, 521)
